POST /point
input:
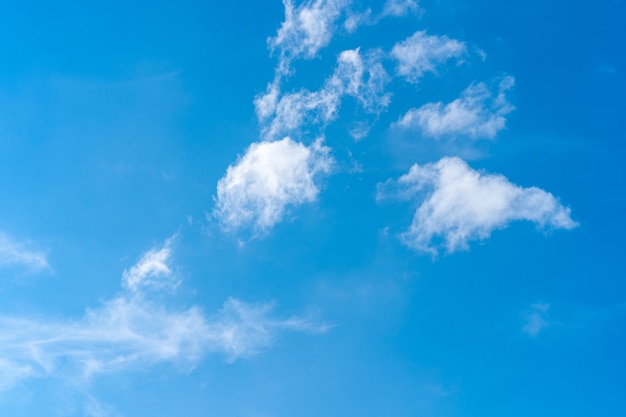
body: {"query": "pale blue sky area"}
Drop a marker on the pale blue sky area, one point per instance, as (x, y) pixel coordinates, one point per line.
(312, 208)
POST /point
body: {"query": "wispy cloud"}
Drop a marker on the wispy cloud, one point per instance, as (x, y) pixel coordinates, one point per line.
(362, 77)
(307, 28)
(476, 114)
(271, 177)
(535, 319)
(152, 270)
(133, 331)
(20, 254)
(422, 53)
(459, 204)
(399, 7)
(391, 8)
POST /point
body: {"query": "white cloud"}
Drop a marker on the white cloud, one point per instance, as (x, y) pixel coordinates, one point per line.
(362, 77)
(536, 319)
(271, 177)
(399, 7)
(152, 270)
(302, 108)
(307, 28)
(356, 19)
(132, 331)
(460, 204)
(18, 254)
(422, 53)
(476, 114)
(391, 8)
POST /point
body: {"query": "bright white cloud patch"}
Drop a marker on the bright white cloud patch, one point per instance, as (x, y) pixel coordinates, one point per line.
(152, 270)
(422, 53)
(272, 176)
(18, 254)
(132, 331)
(476, 114)
(536, 319)
(460, 204)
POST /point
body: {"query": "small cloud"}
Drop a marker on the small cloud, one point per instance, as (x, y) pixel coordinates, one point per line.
(359, 130)
(476, 114)
(271, 177)
(399, 8)
(20, 254)
(307, 28)
(152, 270)
(422, 53)
(459, 204)
(536, 319)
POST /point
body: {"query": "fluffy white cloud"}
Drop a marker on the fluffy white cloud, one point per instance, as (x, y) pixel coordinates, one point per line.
(270, 177)
(460, 204)
(422, 53)
(132, 331)
(18, 254)
(536, 319)
(476, 114)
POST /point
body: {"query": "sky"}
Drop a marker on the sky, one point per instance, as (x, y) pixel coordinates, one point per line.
(312, 208)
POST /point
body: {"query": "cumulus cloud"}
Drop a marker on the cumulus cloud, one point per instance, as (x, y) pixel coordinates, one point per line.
(19, 254)
(536, 319)
(269, 178)
(476, 114)
(133, 331)
(459, 204)
(421, 53)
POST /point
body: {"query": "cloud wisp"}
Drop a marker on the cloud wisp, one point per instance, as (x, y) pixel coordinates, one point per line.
(133, 330)
(18, 254)
(459, 204)
(360, 76)
(535, 319)
(476, 114)
(422, 53)
(307, 28)
(267, 180)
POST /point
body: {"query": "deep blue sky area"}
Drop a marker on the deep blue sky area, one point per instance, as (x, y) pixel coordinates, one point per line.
(313, 208)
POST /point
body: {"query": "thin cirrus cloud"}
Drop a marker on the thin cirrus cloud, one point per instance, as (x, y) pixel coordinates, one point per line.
(477, 113)
(535, 319)
(133, 331)
(391, 8)
(459, 204)
(422, 53)
(16, 254)
(267, 180)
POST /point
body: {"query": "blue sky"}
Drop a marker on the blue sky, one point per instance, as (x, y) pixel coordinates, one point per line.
(312, 208)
